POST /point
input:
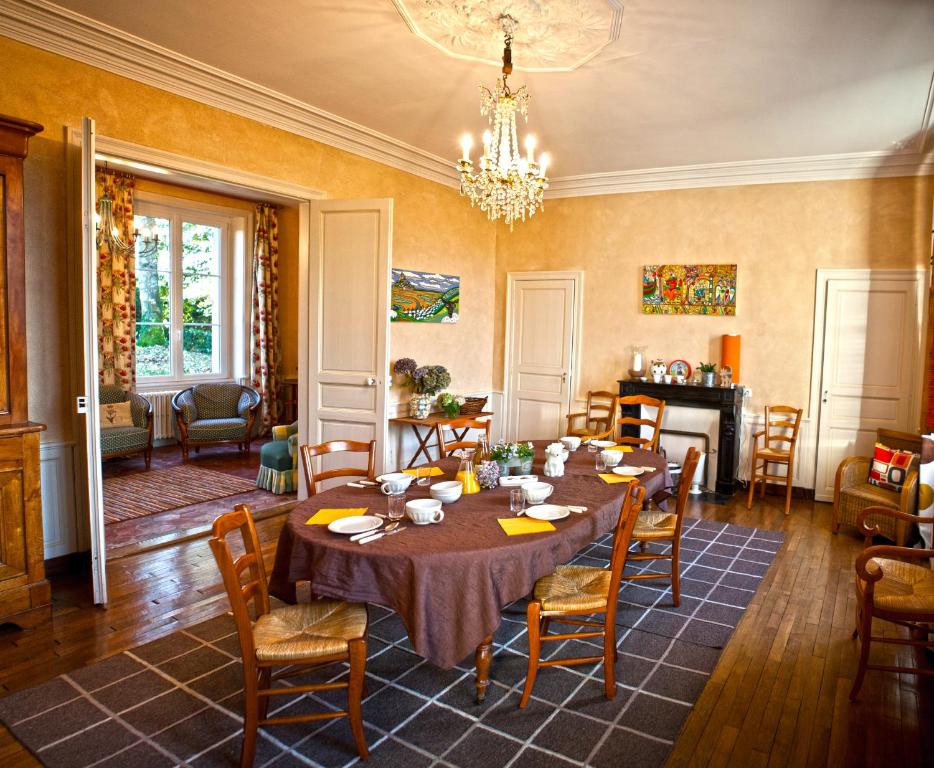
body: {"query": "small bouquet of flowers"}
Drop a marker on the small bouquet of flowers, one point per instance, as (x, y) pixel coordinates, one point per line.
(488, 473)
(451, 404)
(425, 379)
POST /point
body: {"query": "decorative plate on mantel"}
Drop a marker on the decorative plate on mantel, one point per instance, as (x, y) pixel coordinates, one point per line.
(680, 368)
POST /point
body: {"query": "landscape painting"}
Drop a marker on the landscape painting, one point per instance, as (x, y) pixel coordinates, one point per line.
(689, 289)
(424, 297)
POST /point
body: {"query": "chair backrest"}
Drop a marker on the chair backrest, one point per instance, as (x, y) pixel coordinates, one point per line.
(602, 408)
(309, 452)
(217, 401)
(650, 444)
(781, 424)
(240, 592)
(463, 425)
(900, 441)
(108, 394)
(622, 537)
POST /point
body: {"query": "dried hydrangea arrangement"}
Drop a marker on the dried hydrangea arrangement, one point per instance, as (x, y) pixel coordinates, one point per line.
(488, 473)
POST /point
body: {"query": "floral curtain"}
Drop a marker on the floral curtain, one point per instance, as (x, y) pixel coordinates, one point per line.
(116, 288)
(265, 335)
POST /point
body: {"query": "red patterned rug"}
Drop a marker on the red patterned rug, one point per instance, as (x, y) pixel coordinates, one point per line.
(127, 497)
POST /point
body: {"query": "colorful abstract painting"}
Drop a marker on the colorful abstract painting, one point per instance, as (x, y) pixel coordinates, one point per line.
(424, 297)
(689, 289)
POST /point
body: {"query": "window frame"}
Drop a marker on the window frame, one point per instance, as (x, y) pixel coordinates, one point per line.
(233, 224)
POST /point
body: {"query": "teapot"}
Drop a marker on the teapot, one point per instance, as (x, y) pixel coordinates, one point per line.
(659, 369)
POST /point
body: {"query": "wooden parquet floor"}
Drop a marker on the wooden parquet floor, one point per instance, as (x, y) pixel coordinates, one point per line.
(777, 697)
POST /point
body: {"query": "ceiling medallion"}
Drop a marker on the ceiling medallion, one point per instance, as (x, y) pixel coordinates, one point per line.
(507, 184)
(556, 37)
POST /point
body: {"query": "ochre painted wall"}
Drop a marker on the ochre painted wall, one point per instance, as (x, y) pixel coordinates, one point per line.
(433, 228)
(777, 234)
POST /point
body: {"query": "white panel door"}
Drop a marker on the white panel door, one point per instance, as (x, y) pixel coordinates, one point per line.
(869, 367)
(348, 317)
(540, 358)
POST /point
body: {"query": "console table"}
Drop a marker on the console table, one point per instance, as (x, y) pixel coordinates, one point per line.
(425, 428)
(727, 400)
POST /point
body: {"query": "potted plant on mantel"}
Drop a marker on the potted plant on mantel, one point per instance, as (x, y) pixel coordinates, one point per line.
(708, 370)
(426, 382)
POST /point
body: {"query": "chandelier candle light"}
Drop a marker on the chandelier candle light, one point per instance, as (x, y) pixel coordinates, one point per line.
(507, 184)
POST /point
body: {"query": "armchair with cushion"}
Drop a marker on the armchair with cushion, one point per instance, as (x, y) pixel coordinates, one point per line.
(278, 461)
(126, 440)
(209, 414)
(853, 492)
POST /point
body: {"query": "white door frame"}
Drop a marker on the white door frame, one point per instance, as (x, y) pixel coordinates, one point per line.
(922, 278)
(216, 176)
(577, 277)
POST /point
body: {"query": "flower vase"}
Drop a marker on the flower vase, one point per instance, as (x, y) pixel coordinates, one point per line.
(419, 406)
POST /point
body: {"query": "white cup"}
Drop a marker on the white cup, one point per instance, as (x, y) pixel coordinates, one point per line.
(536, 493)
(395, 482)
(612, 458)
(572, 443)
(668, 378)
(424, 511)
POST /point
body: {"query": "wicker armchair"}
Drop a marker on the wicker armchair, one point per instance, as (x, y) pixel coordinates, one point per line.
(210, 414)
(126, 441)
(853, 492)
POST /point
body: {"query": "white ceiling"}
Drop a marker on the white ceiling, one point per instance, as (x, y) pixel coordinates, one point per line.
(685, 83)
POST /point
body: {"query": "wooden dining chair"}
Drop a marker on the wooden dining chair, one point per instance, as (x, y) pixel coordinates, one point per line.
(447, 446)
(890, 589)
(657, 526)
(576, 591)
(297, 637)
(309, 452)
(781, 428)
(602, 409)
(636, 403)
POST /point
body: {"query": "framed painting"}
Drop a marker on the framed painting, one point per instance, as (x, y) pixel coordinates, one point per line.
(424, 297)
(689, 289)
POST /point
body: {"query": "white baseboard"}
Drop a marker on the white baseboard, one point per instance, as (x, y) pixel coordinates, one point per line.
(59, 508)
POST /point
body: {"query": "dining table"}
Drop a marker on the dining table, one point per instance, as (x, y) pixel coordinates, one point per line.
(449, 582)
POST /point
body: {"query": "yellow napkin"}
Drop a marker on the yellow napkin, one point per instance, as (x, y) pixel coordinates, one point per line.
(615, 478)
(623, 448)
(435, 471)
(325, 516)
(517, 526)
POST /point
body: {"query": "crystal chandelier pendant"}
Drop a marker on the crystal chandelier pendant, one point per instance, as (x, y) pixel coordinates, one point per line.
(506, 184)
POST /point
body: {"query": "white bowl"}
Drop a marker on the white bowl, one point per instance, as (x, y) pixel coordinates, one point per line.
(424, 511)
(571, 442)
(602, 443)
(395, 482)
(612, 458)
(536, 493)
(447, 492)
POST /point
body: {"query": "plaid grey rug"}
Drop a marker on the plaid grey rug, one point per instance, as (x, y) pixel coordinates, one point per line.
(177, 701)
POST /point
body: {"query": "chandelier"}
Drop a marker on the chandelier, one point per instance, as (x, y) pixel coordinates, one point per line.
(108, 233)
(507, 184)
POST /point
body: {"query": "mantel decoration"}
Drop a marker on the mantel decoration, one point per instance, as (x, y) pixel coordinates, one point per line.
(426, 382)
(507, 185)
(689, 289)
(513, 458)
(707, 371)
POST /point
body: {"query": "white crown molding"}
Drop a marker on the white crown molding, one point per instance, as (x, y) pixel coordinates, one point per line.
(52, 28)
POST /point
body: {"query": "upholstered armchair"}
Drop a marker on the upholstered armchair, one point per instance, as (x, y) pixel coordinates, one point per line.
(278, 461)
(126, 439)
(853, 492)
(210, 414)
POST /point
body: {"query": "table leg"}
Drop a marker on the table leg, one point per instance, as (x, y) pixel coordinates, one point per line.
(484, 654)
(422, 446)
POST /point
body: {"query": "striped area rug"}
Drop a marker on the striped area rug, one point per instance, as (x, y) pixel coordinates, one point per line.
(144, 493)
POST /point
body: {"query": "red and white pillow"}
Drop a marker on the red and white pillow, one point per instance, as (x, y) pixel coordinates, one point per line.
(890, 467)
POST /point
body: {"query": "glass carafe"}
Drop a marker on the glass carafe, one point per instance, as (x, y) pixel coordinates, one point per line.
(483, 449)
(466, 474)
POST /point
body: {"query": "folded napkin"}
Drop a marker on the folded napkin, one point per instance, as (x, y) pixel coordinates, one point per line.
(623, 448)
(615, 478)
(518, 526)
(435, 471)
(326, 516)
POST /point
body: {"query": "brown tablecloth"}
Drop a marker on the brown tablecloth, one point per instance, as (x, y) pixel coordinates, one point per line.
(449, 582)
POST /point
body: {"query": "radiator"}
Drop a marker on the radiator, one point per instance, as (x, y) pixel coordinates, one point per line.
(163, 417)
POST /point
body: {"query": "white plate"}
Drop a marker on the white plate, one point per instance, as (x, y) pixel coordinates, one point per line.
(517, 480)
(628, 471)
(547, 512)
(355, 524)
(603, 443)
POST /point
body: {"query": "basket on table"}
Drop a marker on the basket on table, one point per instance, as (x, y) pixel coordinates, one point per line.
(472, 405)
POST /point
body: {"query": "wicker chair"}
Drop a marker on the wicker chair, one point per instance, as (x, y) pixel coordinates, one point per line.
(126, 441)
(209, 414)
(853, 492)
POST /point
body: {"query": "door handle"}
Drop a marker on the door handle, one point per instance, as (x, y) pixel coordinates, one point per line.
(370, 381)
(564, 377)
(825, 396)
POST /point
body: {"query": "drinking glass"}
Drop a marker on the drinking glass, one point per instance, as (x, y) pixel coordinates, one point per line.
(395, 505)
(601, 462)
(591, 448)
(423, 475)
(516, 500)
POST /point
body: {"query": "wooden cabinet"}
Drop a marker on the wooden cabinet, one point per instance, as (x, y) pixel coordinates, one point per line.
(25, 597)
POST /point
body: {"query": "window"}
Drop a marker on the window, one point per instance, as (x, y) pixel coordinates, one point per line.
(184, 294)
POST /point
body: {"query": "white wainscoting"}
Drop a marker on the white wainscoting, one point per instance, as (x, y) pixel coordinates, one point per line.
(402, 442)
(59, 510)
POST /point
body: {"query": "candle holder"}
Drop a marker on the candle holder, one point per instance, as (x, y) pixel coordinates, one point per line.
(637, 362)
